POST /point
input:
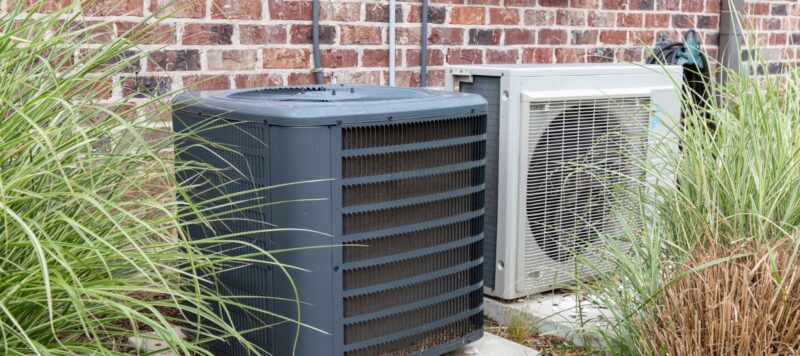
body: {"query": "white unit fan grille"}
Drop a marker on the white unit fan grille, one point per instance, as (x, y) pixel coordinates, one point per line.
(579, 153)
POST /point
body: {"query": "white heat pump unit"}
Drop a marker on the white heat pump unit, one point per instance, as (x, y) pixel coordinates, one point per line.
(561, 140)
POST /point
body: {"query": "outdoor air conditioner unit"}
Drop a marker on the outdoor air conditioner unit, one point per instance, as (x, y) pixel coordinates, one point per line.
(394, 177)
(560, 137)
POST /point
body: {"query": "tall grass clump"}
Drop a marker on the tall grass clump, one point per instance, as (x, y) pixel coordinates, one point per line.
(708, 263)
(92, 248)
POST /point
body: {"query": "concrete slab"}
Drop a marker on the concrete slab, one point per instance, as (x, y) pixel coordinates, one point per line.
(560, 314)
(493, 345)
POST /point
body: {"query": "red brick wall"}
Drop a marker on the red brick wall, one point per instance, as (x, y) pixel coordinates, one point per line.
(245, 43)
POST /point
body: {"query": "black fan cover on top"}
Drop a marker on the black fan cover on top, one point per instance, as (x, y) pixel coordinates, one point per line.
(577, 155)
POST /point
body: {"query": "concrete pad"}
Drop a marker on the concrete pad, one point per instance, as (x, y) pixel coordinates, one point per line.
(493, 345)
(559, 314)
(150, 342)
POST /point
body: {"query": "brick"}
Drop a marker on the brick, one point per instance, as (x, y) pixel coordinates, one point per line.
(436, 14)
(540, 18)
(145, 86)
(551, 36)
(656, 20)
(646, 37)
(340, 11)
(501, 16)
(521, 3)
(290, 10)
(128, 61)
(682, 21)
(613, 37)
(286, 58)
(484, 37)
(339, 58)
(406, 35)
(600, 55)
(586, 4)
(232, 59)
(570, 55)
(380, 13)
(304, 78)
(692, 5)
(208, 34)
(669, 5)
(571, 18)
(179, 8)
(616, 4)
(554, 3)
(630, 20)
(435, 57)
(641, 4)
(159, 33)
(257, 80)
(779, 10)
(206, 82)
(236, 9)
(174, 60)
(707, 22)
(628, 54)
(714, 6)
(757, 9)
(796, 38)
(446, 36)
(462, 15)
(464, 56)
(776, 39)
(94, 32)
(505, 56)
(518, 36)
(304, 34)
(362, 35)
(584, 37)
(359, 77)
(45, 6)
(601, 19)
(375, 58)
(262, 34)
(113, 7)
(537, 55)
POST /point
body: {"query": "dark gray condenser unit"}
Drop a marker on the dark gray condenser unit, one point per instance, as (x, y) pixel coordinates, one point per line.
(395, 181)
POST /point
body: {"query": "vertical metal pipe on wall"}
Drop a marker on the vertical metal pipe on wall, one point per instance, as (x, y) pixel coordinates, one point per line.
(423, 57)
(730, 35)
(315, 35)
(391, 42)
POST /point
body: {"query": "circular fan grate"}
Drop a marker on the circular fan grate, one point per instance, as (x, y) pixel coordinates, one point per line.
(568, 179)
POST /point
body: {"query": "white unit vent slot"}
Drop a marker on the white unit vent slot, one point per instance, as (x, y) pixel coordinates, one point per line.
(579, 153)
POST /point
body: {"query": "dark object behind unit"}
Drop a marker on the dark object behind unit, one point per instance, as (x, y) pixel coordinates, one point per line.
(408, 183)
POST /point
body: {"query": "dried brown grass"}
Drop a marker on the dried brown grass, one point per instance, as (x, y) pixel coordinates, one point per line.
(728, 306)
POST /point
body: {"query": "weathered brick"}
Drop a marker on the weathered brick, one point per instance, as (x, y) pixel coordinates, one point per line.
(520, 3)
(584, 37)
(464, 56)
(257, 80)
(202, 82)
(290, 10)
(554, 3)
(468, 15)
(286, 58)
(303, 34)
(375, 58)
(656, 20)
(236, 9)
(537, 55)
(362, 35)
(540, 18)
(570, 55)
(586, 4)
(436, 14)
(305, 78)
(628, 54)
(643, 37)
(503, 16)
(551, 36)
(504, 56)
(113, 7)
(339, 58)
(707, 22)
(630, 20)
(179, 8)
(208, 34)
(380, 13)
(601, 19)
(46, 6)
(641, 4)
(616, 37)
(94, 32)
(340, 11)
(616, 4)
(262, 34)
(692, 5)
(600, 55)
(484, 37)
(669, 5)
(174, 60)
(571, 18)
(446, 36)
(518, 36)
(435, 57)
(359, 77)
(245, 59)
(682, 21)
(144, 86)
(779, 10)
(159, 33)
(406, 35)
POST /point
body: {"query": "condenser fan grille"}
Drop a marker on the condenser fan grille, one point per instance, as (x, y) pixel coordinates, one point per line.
(579, 152)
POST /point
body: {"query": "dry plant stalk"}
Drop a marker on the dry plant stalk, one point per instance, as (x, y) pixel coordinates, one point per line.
(744, 306)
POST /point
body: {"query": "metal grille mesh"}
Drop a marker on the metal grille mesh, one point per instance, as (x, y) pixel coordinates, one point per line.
(395, 162)
(412, 132)
(579, 152)
(423, 341)
(411, 187)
